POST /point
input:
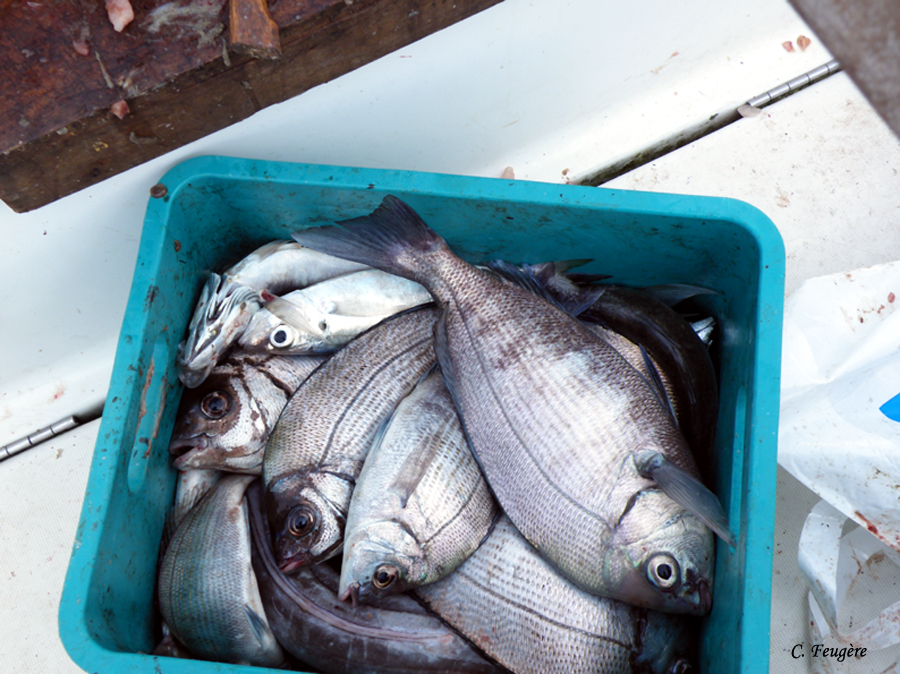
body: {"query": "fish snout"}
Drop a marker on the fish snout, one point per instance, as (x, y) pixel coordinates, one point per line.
(351, 592)
(289, 557)
(193, 374)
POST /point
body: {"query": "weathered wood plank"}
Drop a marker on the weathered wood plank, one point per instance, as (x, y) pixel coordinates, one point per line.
(57, 134)
(252, 30)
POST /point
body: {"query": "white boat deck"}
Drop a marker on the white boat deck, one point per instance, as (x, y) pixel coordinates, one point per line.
(556, 90)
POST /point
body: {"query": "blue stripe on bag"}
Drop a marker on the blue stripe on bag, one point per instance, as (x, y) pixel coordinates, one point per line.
(891, 409)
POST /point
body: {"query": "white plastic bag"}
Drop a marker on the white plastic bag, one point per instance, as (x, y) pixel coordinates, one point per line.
(839, 434)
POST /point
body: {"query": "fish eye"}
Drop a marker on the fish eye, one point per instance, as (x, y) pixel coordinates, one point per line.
(280, 338)
(215, 405)
(662, 571)
(301, 520)
(384, 576)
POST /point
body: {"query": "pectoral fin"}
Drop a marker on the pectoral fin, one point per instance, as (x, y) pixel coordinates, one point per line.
(260, 627)
(293, 314)
(686, 490)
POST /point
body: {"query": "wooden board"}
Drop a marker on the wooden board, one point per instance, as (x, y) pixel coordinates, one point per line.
(57, 132)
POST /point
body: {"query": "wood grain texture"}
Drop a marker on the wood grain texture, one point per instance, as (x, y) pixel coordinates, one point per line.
(57, 134)
(252, 30)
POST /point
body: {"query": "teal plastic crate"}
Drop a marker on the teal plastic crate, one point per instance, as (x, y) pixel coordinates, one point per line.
(218, 209)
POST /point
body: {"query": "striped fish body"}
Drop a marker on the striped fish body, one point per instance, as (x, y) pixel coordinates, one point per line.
(521, 612)
(559, 421)
(421, 505)
(208, 595)
(316, 451)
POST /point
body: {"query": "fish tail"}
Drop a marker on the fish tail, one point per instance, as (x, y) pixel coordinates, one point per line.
(381, 239)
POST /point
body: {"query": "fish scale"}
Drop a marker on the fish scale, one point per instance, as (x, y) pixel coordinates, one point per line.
(421, 506)
(513, 605)
(554, 413)
(206, 583)
(317, 448)
(335, 406)
(496, 379)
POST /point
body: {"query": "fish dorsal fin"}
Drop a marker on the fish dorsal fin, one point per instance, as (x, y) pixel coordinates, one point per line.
(686, 490)
(671, 294)
(260, 627)
(537, 280)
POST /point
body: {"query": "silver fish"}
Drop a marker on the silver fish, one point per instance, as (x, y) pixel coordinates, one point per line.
(421, 505)
(323, 317)
(515, 607)
(281, 266)
(191, 486)
(370, 292)
(573, 441)
(221, 315)
(228, 301)
(293, 324)
(318, 446)
(393, 635)
(208, 595)
(224, 424)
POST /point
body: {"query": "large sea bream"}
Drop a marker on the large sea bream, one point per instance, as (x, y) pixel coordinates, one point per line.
(577, 445)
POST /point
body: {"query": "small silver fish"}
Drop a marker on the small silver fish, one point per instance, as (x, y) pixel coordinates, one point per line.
(228, 301)
(370, 292)
(281, 266)
(420, 506)
(515, 607)
(393, 635)
(317, 448)
(323, 317)
(224, 424)
(574, 442)
(208, 595)
(294, 324)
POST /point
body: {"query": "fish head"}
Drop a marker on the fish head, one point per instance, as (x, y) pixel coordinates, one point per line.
(307, 515)
(221, 315)
(381, 558)
(220, 424)
(267, 333)
(663, 556)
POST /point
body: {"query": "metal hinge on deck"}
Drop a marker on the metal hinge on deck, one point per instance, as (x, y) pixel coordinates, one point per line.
(51, 431)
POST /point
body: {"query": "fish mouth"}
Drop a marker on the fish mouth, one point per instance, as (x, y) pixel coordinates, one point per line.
(183, 462)
(290, 565)
(351, 593)
(183, 446)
